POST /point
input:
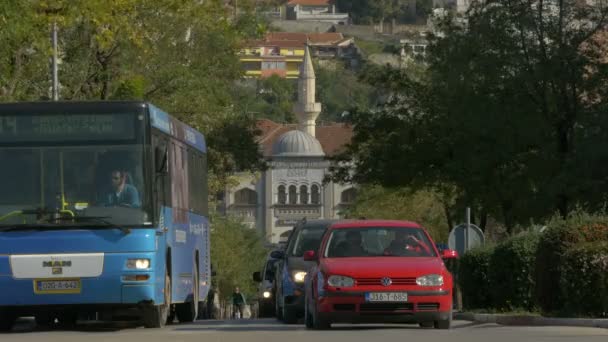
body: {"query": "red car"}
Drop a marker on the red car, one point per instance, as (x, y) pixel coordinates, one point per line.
(375, 271)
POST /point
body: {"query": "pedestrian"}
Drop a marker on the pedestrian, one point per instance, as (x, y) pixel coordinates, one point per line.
(238, 303)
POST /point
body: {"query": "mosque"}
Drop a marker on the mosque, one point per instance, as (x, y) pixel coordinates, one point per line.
(292, 188)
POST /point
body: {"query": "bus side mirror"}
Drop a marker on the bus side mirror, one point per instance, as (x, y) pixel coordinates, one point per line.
(160, 160)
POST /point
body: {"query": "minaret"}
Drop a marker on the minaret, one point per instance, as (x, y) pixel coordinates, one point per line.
(306, 109)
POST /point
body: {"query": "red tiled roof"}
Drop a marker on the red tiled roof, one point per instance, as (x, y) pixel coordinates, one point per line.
(333, 137)
(275, 36)
(310, 2)
(325, 38)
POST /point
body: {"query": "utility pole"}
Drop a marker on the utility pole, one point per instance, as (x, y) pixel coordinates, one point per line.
(55, 76)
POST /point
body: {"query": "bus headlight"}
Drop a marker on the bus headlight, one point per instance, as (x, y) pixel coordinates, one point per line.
(139, 264)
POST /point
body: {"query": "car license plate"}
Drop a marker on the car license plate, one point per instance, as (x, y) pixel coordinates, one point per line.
(386, 297)
(57, 286)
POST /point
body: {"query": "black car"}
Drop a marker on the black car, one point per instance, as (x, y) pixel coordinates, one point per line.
(291, 268)
(266, 289)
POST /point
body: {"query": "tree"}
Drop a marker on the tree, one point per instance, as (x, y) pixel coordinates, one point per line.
(237, 252)
(339, 90)
(180, 55)
(423, 207)
(508, 112)
(370, 11)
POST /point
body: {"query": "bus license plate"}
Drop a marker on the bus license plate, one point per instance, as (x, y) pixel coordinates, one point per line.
(386, 297)
(57, 286)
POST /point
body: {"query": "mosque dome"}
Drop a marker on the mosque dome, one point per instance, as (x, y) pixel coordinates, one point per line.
(297, 144)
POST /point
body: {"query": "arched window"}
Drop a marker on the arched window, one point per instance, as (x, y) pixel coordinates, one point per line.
(282, 195)
(303, 194)
(315, 194)
(246, 197)
(293, 194)
(348, 196)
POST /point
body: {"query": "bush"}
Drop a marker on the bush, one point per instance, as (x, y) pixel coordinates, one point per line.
(561, 236)
(511, 273)
(473, 278)
(584, 280)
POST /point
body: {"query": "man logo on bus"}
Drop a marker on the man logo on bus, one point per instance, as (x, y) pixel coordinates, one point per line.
(57, 263)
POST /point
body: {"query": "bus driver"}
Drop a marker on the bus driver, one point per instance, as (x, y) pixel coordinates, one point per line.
(122, 194)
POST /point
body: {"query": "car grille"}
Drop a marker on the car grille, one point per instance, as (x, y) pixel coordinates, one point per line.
(378, 281)
(427, 306)
(344, 307)
(386, 307)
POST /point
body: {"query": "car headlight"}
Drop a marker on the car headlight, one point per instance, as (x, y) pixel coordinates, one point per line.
(266, 294)
(139, 264)
(430, 280)
(299, 276)
(340, 281)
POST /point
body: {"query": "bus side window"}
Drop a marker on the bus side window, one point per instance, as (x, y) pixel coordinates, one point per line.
(162, 181)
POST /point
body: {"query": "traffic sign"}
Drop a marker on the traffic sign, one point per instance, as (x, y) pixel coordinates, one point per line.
(458, 236)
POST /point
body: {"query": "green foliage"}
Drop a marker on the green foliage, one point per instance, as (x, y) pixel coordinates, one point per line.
(370, 47)
(473, 278)
(237, 252)
(339, 90)
(584, 280)
(561, 236)
(268, 98)
(372, 11)
(494, 115)
(178, 54)
(421, 206)
(511, 273)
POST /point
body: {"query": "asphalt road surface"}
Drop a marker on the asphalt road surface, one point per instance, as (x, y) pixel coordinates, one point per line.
(268, 330)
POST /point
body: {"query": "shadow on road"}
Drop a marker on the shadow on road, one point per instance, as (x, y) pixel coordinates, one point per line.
(25, 326)
(270, 325)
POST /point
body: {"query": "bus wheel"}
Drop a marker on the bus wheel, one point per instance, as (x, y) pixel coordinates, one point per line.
(187, 312)
(44, 320)
(7, 320)
(156, 316)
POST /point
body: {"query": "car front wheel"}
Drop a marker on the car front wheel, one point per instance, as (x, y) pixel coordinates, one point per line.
(444, 323)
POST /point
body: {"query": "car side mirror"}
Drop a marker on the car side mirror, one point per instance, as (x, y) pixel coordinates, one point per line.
(449, 254)
(277, 255)
(160, 160)
(310, 256)
(257, 277)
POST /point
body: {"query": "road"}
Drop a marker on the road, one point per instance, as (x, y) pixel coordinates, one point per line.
(269, 330)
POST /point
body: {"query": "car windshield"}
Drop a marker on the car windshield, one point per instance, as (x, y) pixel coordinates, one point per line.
(379, 241)
(307, 239)
(96, 181)
(270, 269)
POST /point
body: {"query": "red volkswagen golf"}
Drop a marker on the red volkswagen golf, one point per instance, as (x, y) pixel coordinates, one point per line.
(374, 271)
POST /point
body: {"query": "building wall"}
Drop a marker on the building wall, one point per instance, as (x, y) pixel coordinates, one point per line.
(272, 219)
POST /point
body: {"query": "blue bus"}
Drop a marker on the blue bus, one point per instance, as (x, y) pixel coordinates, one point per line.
(103, 214)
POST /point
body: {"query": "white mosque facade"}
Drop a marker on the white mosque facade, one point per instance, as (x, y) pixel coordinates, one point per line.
(293, 187)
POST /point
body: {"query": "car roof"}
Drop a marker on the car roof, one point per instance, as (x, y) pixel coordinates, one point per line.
(374, 223)
(324, 223)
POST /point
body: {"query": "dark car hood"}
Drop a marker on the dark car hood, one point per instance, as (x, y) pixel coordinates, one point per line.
(298, 264)
(383, 266)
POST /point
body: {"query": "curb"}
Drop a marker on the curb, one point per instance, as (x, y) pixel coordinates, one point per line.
(523, 320)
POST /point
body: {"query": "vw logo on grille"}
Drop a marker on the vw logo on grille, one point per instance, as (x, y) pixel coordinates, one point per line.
(386, 281)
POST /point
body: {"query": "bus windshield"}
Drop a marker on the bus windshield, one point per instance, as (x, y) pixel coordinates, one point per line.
(94, 181)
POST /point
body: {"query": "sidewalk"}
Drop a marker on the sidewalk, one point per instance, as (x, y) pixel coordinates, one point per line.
(530, 320)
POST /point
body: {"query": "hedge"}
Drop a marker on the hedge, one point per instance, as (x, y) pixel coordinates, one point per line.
(584, 280)
(473, 278)
(511, 273)
(561, 236)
